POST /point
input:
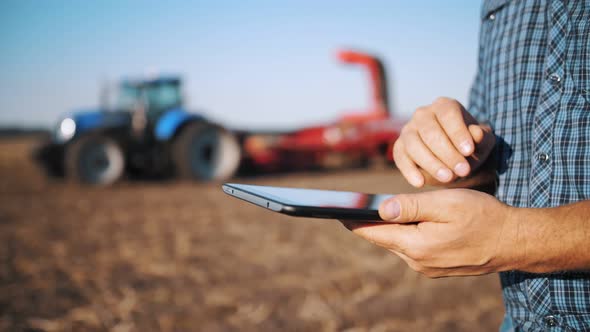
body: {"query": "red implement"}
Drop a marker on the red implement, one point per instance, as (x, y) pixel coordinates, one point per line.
(355, 139)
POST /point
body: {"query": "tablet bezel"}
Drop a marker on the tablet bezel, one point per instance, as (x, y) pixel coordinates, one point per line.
(281, 205)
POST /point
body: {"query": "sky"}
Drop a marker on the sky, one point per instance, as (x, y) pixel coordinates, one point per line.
(247, 64)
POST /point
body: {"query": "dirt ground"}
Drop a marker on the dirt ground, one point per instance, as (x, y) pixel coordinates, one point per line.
(149, 256)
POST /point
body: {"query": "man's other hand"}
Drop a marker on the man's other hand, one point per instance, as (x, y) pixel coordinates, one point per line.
(441, 142)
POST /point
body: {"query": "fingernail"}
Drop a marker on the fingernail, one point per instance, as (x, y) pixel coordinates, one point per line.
(462, 169)
(465, 147)
(444, 174)
(391, 210)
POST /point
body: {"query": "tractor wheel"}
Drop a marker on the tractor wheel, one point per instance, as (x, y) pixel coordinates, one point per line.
(95, 160)
(206, 152)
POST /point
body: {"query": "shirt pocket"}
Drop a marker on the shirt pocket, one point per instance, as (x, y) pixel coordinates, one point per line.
(579, 53)
(490, 7)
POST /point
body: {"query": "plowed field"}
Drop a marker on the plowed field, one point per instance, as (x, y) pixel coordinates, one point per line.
(174, 256)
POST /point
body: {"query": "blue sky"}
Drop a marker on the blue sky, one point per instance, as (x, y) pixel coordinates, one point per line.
(267, 64)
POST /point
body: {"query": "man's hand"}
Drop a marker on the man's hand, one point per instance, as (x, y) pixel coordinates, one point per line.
(441, 142)
(448, 232)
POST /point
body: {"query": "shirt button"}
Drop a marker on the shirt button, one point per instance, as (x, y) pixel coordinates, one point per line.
(491, 17)
(543, 157)
(550, 321)
(554, 78)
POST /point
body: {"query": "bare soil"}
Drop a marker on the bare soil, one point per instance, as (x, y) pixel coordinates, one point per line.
(172, 256)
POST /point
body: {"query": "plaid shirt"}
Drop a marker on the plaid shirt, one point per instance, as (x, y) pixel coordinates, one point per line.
(533, 88)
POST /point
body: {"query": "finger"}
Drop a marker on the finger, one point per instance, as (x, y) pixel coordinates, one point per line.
(438, 142)
(441, 272)
(406, 166)
(423, 157)
(411, 263)
(430, 272)
(454, 122)
(347, 224)
(351, 224)
(391, 236)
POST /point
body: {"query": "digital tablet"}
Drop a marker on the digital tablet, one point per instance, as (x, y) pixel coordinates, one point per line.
(314, 203)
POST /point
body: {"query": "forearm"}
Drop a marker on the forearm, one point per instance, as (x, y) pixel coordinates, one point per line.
(551, 239)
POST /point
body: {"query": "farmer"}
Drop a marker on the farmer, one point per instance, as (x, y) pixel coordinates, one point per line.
(529, 121)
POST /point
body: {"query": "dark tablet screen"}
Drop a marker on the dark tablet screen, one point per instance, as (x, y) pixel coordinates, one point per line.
(315, 197)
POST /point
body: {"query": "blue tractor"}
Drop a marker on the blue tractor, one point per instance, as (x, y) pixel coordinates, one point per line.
(147, 131)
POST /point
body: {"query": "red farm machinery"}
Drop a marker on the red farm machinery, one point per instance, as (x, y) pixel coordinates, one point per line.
(353, 140)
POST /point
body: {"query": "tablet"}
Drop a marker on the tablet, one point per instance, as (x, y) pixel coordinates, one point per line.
(314, 203)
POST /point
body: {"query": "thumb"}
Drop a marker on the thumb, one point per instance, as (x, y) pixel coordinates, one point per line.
(407, 208)
(477, 132)
(485, 140)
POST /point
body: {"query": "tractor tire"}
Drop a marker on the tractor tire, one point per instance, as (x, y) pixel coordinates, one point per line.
(94, 160)
(205, 152)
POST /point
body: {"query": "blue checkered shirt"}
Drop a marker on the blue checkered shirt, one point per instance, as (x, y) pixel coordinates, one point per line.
(533, 87)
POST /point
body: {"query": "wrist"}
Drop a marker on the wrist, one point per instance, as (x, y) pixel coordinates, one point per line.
(545, 240)
(538, 244)
(515, 240)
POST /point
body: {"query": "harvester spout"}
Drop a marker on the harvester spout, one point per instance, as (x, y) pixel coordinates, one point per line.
(374, 65)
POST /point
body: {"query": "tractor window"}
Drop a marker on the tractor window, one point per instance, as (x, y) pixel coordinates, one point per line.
(163, 96)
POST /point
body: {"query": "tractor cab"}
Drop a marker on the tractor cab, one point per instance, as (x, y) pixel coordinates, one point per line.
(153, 96)
(146, 100)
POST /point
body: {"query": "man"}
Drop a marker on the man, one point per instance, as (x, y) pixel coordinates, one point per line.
(528, 120)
